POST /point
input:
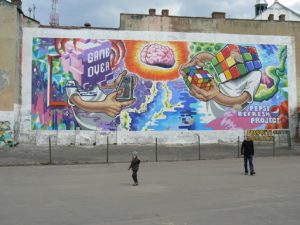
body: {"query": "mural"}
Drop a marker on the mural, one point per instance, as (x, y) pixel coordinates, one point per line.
(138, 85)
(6, 134)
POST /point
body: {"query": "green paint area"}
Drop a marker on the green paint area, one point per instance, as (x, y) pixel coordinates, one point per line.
(6, 134)
(197, 47)
(212, 48)
(278, 76)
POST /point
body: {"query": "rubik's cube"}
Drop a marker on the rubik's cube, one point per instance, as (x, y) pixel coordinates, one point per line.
(198, 76)
(234, 61)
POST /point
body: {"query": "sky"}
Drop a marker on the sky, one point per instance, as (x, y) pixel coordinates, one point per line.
(106, 13)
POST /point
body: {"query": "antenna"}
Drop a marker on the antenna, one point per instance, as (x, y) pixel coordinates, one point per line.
(54, 16)
(33, 10)
(29, 10)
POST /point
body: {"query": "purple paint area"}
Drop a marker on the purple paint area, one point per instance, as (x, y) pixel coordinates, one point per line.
(96, 62)
(88, 62)
(267, 80)
(98, 120)
(141, 90)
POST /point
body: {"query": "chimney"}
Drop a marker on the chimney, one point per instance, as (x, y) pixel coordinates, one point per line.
(165, 12)
(218, 15)
(282, 18)
(18, 3)
(271, 17)
(152, 12)
(87, 24)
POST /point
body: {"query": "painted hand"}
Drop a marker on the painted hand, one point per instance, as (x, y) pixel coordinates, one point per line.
(112, 107)
(116, 82)
(204, 95)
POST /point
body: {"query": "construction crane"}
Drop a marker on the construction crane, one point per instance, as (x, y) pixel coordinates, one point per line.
(54, 16)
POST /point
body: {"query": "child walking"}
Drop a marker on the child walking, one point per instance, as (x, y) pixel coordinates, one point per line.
(134, 166)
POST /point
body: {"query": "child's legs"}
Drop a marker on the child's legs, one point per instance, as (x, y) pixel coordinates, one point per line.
(134, 176)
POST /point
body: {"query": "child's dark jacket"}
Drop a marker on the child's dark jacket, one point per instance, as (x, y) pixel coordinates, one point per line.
(135, 164)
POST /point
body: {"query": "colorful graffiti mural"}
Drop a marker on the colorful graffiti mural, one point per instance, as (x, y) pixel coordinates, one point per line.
(138, 85)
(6, 134)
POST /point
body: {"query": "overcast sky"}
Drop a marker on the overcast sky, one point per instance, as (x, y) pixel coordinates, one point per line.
(106, 13)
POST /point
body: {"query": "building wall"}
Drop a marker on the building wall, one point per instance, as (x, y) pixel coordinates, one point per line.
(53, 57)
(12, 21)
(8, 70)
(8, 58)
(218, 25)
(277, 10)
(29, 22)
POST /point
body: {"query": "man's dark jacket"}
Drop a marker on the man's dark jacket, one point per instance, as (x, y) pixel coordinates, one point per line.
(247, 148)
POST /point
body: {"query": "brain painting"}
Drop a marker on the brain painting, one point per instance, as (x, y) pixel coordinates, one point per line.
(158, 55)
(156, 60)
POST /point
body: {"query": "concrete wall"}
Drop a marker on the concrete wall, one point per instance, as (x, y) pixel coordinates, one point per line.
(9, 66)
(9, 55)
(124, 136)
(170, 28)
(12, 21)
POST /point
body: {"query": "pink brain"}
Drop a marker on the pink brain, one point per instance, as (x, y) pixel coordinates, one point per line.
(158, 55)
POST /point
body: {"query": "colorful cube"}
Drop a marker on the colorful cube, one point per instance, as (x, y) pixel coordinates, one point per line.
(83, 60)
(234, 61)
(197, 76)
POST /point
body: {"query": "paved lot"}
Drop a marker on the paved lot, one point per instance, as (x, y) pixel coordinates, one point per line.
(209, 192)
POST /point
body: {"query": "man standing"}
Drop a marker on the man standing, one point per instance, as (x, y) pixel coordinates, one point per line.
(248, 151)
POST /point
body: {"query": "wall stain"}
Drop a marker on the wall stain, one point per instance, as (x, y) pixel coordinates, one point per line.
(4, 81)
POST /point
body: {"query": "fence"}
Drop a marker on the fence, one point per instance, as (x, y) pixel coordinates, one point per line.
(110, 153)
